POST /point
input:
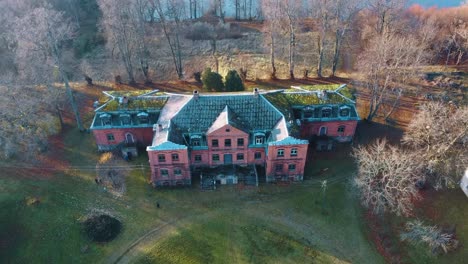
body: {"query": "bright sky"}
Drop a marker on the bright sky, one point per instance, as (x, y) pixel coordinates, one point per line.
(439, 3)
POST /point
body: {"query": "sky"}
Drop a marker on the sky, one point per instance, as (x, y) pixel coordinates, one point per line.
(438, 3)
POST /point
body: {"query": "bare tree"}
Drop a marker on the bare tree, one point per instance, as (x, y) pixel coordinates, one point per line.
(48, 36)
(170, 17)
(389, 59)
(387, 13)
(321, 11)
(343, 13)
(271, 11)
(387, 177)
(439, 136)
(291, 10)
(121, 33)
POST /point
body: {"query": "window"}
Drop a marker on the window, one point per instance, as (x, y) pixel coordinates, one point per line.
(292, 167)
(227, 142)
(280, 152)
(341, 129)
(344, 111)
(240, 156)
(177, 172)
(258, 140)
(308, 112)
(195, 142)
(214, 143)
(228, 130)
(279, 167)
(175, 157)
(294, 152)
(162, 158)
(258, 155)
(240, 142)
(110, 137)
(164, 173)
(198, 158)
(215, 157)
(326, 112)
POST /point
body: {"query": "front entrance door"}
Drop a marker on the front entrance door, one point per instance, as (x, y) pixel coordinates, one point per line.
(227, 158)
(323, 131)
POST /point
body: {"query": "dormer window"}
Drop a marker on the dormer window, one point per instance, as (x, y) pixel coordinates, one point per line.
(105, 119)
(326, 111)
(125, 119)
(259, 138)
(143, 117)
(344, 111)
(195, 140)
(308, 112)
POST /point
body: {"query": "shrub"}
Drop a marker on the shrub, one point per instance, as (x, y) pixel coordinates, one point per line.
(198, 77)
(102, 228)
(234, 81)
(212, 81)
(438, 241)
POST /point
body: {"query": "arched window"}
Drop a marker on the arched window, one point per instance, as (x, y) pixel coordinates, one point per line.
(259, 138)
(308, 112)
(344, 111)
(129, 138)
(326, 111)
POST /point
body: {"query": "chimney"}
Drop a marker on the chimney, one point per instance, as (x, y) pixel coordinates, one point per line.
(125, 100)
(196, 94)
(255, 92)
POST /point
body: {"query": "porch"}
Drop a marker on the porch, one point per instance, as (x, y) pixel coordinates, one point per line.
(210, 178)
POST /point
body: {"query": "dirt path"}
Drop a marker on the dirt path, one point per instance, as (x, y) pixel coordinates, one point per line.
(135, 249)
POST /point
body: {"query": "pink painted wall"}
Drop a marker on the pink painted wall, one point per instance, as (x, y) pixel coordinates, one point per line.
(311, 129)
(143, 135)
(299, 160)
(182, 163)
(226, 132)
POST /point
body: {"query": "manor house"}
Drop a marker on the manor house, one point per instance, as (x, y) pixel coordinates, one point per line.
(184, 132)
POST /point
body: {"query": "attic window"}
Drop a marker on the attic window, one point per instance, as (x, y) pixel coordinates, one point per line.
(143, 117)
(195, 140)
(326, 112)
(125, 119)
(105, 119)
(344, 111)
(308, 112)
(259, 138)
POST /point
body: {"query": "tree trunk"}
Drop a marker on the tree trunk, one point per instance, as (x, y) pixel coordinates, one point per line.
(320, 57)
(336, 55)
(292, 47)
(272, 57)
(59, 114)
(71, 97)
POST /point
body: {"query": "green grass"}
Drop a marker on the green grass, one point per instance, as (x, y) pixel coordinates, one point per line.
(271, 224)
(451, 209)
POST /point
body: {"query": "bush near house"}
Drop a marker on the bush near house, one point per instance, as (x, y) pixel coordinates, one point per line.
(212, 81)
(233, 81)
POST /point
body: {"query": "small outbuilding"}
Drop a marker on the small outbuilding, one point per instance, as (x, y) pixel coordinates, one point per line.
(464, 183)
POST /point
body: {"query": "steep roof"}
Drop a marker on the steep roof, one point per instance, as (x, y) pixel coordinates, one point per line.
(248, 113)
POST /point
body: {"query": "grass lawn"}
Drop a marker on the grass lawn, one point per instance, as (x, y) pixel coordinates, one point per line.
(444, 209)
(270, 224)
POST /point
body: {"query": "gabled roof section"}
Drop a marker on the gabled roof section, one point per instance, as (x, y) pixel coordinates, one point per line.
(226, 117)
(246, 112)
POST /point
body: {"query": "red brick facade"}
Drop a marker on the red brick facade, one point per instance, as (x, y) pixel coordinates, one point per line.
(170, 167)
(108, 138)
(341, 130)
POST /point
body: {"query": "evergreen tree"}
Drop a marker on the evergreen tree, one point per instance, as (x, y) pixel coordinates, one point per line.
(234, 81)
(212, 81)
